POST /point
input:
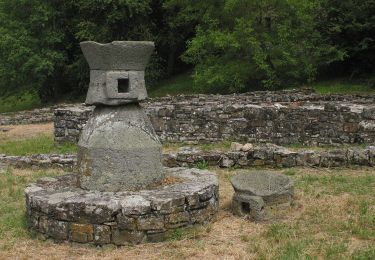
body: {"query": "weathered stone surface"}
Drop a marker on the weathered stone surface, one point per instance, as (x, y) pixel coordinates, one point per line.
(81, 233)
(271, 156)
(119, 150)
(124, 237)
(35, 116)
(247, 205)
(60, 209)
(117, 71)
(117, 55)
(251, 118)
(259, 189)
(104, 87)
(102, 234)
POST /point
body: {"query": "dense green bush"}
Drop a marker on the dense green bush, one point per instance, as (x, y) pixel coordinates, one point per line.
(247, 44)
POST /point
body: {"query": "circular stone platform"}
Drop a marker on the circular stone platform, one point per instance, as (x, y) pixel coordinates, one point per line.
(258, 190)
(59, 209)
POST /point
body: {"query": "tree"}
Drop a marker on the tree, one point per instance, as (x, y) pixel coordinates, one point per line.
(248, 44)
(349, 26)
(30, 44)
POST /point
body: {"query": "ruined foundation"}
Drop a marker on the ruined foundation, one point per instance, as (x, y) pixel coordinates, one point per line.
(59, 209)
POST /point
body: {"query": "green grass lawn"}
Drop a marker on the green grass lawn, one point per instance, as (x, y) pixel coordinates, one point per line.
(37, 145)
(341, 87)
(180, 84)
(25, 100)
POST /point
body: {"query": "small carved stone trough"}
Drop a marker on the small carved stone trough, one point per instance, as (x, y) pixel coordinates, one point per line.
(255, 192)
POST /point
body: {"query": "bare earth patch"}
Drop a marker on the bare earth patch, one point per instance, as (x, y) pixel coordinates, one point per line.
(17, 132)
(332, 217)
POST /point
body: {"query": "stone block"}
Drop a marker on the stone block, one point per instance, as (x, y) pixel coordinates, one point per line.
(155, 237)
(81, 233)
(200, 216)
(58, 230)
(102, 234)
(177, 217)
(247, 205)
(125, 237)
(150, 222)
(350, 127)
(126, 222)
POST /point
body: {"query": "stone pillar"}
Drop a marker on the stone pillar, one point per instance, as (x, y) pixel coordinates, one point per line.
(118, 149)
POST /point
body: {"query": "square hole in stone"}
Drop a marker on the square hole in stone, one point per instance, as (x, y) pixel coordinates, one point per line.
(245, 207)
(123, 85)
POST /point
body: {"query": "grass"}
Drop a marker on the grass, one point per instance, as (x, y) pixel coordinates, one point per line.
(25, 100)
(12, 206)
(180, 84)
(341, 87)
(330, 219)
(36, 145)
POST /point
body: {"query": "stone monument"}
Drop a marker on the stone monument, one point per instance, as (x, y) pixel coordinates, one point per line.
(121, 193)
(118, 149)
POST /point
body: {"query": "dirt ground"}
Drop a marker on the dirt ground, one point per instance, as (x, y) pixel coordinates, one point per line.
(14, 132)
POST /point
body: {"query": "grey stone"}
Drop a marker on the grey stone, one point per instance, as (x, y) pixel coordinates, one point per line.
(117, 55)
(117, 71)
(247, 205)
(225, 162)
(104, 88)
(60, 209)
(199, 118)
(262, 183)
(234, 146)
(119, 150)
(125, 237)
(102, 234)
(247, 147)
(58, 230)
(255, 190)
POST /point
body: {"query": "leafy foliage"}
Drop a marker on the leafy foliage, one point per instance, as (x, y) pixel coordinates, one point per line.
(250, 44)
(349, 26)
(234, 45)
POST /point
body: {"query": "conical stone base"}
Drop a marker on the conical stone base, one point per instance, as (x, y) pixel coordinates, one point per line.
(118, 150)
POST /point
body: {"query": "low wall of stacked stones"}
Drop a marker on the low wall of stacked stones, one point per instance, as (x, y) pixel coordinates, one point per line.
(35, 116)
(267, 155)
(283, 117)
(59, 210)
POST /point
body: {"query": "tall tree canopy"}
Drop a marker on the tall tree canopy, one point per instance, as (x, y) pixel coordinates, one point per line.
(233, 45)
(247, 44)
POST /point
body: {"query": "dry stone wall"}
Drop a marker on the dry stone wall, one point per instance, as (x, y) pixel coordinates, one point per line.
(59, 209)
(283, 117)
(34, 116)
(263, 155)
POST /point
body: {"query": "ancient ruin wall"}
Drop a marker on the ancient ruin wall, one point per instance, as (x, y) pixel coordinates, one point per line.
(35, 116)
(279, 117)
